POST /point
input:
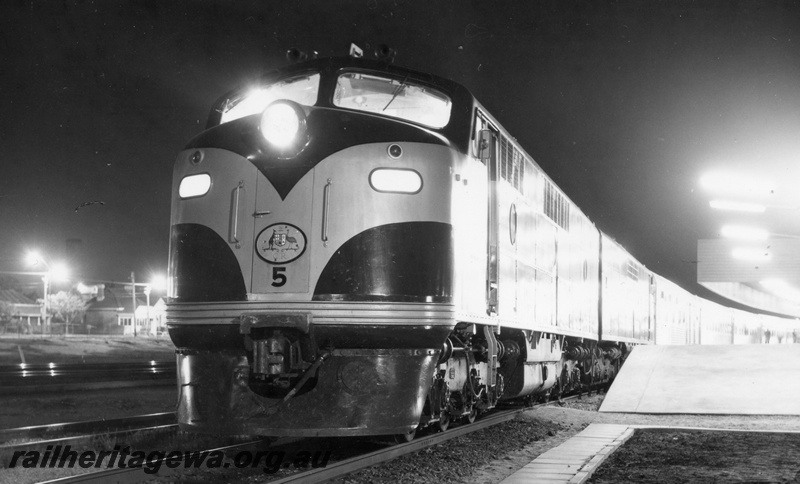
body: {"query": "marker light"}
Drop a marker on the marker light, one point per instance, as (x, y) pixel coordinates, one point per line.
(283, 124)
(395, 180)
(737, 206)
(194, 185)
(743, 233)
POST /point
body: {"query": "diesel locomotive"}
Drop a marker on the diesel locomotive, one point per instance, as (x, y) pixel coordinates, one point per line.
(362, 249)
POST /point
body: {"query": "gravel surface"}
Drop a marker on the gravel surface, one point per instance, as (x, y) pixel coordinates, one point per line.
(49, 408)
(677, 457)
(459, 459)
(485, 463)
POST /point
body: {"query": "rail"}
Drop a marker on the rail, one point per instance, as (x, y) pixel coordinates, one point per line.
(52, 377)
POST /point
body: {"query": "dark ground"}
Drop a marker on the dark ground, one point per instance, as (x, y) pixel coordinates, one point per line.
(677, 457)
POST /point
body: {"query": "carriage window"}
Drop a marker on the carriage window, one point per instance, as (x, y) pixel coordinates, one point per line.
(398, 98)
(302, 90)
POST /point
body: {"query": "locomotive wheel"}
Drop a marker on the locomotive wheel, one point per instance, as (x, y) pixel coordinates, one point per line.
(559, 390)
(404, 438)
(444, 421)
(470, 418)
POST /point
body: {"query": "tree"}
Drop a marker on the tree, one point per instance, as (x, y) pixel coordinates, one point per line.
(66, 307)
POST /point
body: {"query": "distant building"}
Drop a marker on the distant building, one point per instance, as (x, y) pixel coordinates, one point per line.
(111, 312)
(160, 308)
(152, 320)
(25, 314)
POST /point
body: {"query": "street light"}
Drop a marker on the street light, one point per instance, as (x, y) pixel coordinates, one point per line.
(57, 271)
(133, 307)
(147, 296)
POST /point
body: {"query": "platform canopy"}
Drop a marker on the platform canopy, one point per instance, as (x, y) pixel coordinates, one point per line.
(771, 283)
(753, 254)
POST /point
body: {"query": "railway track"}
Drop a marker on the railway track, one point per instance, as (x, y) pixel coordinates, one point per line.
(38, 437)
(37, 431)
(314, 475)
(55, 377)
(353, 464)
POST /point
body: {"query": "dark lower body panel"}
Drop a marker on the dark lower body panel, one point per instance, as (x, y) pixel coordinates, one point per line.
(375, 384)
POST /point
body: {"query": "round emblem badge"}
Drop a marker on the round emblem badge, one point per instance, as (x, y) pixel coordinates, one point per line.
(280, 243)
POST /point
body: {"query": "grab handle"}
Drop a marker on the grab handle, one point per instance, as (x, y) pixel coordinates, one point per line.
(234, 234)
(326, 195)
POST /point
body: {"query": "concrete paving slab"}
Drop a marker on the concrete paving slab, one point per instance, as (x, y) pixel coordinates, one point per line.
(569, 471)
(530, 480)
(576, 457)
(554, 458)
(540, 477)
(708, 379)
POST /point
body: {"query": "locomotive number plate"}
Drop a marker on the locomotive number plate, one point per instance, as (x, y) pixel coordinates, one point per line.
(280, 243)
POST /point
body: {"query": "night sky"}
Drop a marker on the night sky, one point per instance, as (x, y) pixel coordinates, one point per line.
(625, 104)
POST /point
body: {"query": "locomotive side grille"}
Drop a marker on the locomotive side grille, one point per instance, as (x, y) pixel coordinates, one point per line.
(556, 205)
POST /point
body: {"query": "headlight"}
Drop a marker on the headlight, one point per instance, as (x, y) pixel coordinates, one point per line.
(283, 125)
(194, 185)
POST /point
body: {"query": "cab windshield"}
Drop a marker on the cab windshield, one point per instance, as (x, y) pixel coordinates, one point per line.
(395, 97)
(302, 90)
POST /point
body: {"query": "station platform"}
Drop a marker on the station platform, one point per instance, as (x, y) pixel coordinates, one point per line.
(574, 461)
(707, 379)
